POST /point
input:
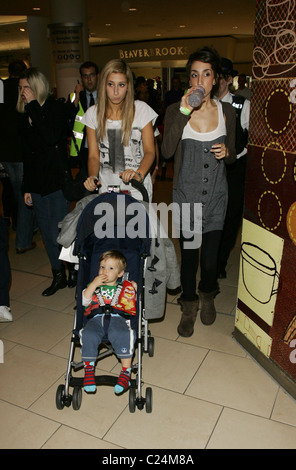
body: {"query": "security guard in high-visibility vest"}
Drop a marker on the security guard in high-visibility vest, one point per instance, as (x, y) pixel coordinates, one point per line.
(77, 130)
(83, 97)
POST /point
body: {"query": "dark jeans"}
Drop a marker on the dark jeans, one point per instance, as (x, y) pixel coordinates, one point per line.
(50, 210)
(4, 263)
(120, 334)
(26, 222)
(208, 265)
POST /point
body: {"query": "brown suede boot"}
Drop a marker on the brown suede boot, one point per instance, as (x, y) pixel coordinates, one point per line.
(189, 314)
(207, 308)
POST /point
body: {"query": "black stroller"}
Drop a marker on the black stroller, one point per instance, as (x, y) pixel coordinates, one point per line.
(113, 220)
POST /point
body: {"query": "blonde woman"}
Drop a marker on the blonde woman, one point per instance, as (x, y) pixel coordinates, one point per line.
(119, 133)
(44, 139)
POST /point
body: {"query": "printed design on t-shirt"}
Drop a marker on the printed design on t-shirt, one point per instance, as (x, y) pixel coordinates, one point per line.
(115, 156)
(107, 293)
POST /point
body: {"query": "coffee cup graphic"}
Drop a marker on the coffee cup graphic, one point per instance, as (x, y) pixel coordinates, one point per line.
(259, 273)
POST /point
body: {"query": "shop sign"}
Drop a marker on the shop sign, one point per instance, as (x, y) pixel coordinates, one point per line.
(154, 53)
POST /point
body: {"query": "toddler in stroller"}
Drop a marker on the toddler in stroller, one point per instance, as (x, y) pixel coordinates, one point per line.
(105, 224)
(101, 293)
(117, 221)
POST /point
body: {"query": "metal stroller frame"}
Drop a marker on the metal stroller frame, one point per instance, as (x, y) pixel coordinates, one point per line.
(144, 343)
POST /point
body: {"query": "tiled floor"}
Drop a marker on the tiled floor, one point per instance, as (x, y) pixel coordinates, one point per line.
(207, 392)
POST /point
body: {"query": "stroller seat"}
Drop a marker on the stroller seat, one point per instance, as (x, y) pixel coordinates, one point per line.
(89, 247)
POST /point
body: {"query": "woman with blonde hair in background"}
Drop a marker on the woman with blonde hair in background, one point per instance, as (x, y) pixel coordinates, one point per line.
(44, 138)
(119, 133)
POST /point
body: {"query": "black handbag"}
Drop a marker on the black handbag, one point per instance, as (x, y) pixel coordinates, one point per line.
(73, 188)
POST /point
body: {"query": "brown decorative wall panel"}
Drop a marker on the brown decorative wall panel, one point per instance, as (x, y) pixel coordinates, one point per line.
(266, 312)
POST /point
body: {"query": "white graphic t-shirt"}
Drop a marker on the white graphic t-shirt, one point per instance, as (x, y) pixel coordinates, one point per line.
(114, 157)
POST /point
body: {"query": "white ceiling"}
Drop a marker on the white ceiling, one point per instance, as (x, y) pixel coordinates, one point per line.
(112, 22)
(152, 18)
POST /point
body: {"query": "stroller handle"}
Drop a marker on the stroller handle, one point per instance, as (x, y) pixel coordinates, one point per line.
(140, 187)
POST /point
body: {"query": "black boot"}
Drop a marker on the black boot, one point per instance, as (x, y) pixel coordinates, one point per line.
(59, 282)
(72, 279)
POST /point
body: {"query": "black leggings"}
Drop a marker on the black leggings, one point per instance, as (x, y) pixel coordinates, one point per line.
(208, 265)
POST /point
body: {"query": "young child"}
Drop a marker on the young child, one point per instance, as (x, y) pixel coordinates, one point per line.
(120, 334)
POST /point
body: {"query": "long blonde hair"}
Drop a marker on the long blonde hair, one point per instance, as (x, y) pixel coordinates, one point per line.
(128, 105)
(39, 85)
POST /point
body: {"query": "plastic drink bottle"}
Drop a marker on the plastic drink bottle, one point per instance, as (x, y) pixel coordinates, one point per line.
(196, 97)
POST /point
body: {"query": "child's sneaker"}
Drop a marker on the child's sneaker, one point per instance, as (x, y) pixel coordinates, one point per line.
(89, 381)
(123, 381)
(5, 314)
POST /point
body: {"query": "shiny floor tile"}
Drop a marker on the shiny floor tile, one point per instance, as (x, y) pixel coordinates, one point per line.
(234, 382)
(177, 422)
(206, 390)
(237, 430)
(21, 429)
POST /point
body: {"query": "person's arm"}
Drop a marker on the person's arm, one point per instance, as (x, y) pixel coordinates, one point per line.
(230, 120)
(245, 115)
(78, 88)
(93, 159)
(50, 120)
(92, 286)
(148, 158)
(174, 124)
(155, 169)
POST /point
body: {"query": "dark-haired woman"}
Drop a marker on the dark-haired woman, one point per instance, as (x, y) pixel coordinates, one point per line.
(202, 139)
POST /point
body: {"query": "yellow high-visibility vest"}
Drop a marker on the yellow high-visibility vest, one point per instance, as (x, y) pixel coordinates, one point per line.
(77, 131)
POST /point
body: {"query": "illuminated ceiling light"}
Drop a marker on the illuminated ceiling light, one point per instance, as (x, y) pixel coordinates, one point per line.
(22, 30)
(132, 9)
(36, 8)
(182, 26)
(234, 27)
(157, 34)
(107, 24)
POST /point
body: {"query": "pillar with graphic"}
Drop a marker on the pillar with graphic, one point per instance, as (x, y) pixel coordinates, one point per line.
(266, 310)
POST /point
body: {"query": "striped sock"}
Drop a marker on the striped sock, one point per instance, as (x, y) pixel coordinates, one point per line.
(89, 381)
(123, 381)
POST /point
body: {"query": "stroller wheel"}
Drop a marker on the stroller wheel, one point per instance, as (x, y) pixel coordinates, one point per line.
(148, 400)
(60, 397)
(77, 398)
(151, 346)
(132, 400)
